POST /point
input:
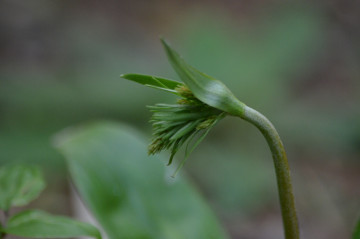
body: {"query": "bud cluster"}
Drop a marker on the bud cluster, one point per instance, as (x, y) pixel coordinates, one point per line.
(177, 124)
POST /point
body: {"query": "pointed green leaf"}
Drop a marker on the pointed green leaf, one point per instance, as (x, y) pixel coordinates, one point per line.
(128, 192)
(19, 185)
(153, 81)
(356, 234)
(204, 87)
(38, 224)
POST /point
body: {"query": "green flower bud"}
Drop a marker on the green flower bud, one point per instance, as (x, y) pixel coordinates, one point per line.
(204, 101)
(207, 89)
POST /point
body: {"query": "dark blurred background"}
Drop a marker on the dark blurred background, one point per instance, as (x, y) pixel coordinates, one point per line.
(298, 63)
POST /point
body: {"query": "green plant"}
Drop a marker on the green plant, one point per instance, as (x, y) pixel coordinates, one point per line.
(127, 193)
(19, 185)
(356, 234)
(204, 101)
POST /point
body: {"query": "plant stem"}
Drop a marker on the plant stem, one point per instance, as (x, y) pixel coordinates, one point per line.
(282, 170)
(6, 216)
(2, 235)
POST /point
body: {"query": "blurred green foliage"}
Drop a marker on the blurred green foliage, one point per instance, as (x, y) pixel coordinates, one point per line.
(60, 67)
(21, 184)
(127, 191)
(356, 234)
(39, 224)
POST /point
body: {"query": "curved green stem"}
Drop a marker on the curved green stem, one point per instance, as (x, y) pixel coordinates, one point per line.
(282, 170)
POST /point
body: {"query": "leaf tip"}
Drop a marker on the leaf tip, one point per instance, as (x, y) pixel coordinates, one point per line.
(162, 39)
(165, 43)
(126, 76)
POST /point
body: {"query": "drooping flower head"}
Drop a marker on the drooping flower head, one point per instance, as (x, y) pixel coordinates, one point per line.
(203, 102)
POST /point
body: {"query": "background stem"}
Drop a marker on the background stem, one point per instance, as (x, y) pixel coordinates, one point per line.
(282, 170)
(6, 216)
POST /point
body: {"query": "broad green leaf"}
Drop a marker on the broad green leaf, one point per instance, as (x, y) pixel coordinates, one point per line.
(153, 81)
(38, 224)
(19, 185)
(204, 87)
(356, 234)
(128, 192)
